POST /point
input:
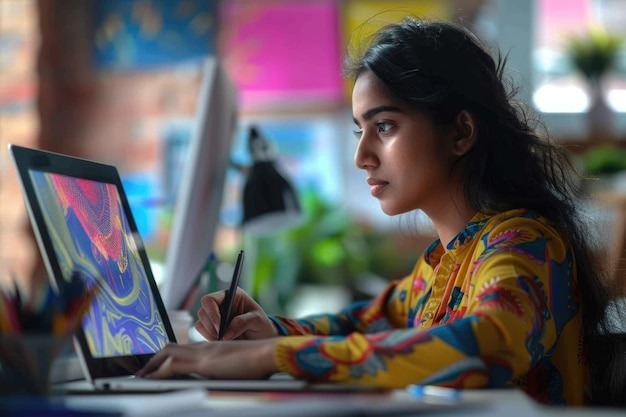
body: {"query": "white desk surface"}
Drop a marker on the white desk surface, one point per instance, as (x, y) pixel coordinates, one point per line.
(198, 402)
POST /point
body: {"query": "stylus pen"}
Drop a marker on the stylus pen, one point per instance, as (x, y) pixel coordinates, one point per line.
(435, 393)
(226, 307)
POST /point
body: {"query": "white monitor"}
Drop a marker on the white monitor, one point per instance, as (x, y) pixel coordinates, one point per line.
(199, 194)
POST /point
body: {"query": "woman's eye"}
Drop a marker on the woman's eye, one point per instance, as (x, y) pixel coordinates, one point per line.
(357, 133)
(383, 127)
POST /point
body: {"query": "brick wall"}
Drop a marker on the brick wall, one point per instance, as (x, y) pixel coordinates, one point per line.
(70, 107)
(19, 36)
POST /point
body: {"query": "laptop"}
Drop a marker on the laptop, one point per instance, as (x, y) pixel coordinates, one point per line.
(83, 224)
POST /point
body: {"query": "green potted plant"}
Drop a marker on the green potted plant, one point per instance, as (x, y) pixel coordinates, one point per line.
(603, 166)
(593, 54)
(329, 249)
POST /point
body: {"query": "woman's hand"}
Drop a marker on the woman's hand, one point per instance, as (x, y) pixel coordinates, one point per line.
(247, 359)
(249, 321)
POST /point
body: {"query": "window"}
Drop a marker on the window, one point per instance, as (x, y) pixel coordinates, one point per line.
(557, 86)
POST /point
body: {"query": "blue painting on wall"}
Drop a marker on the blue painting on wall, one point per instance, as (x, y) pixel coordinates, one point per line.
(143, 34)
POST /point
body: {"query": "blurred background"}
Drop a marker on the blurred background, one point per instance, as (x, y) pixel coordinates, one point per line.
(117, 81)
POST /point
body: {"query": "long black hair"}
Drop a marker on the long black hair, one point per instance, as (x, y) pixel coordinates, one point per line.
(441, 68)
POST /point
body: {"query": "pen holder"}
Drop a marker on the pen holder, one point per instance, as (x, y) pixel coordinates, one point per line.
(26, 361)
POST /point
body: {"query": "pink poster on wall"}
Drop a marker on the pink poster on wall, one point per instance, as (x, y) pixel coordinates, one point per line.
(558, 19)
(282, 53)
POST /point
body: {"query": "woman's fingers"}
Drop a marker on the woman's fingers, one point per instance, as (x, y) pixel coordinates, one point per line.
(206, 325)
(249, 321)
(155, 362)
(209, 315)
(211, 302)
(238, 327)
(172, 367)
(173, 360)
(229, 360)
(252, 325)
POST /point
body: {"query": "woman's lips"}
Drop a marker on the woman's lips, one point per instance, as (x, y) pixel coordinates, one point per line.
(376, 186)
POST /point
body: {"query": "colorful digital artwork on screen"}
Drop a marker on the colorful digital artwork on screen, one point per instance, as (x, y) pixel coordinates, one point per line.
(91, 235)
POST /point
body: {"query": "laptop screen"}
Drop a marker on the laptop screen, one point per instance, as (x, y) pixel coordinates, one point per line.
(90, 234)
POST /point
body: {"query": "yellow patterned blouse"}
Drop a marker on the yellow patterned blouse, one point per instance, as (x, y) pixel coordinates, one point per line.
(498, 305)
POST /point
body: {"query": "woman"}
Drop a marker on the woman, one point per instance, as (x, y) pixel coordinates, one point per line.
(497, 299)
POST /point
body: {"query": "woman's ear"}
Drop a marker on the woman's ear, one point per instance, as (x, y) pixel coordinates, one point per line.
(466, 133)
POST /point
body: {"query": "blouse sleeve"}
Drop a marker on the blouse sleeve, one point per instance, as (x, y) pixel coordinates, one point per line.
(515, 310)
(362, 317)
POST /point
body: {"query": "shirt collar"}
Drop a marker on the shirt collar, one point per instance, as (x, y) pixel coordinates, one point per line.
(435, 250)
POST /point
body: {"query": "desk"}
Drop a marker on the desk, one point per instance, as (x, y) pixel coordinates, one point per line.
(191, 403)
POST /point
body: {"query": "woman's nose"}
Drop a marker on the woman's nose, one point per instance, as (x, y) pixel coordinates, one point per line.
(364, 156)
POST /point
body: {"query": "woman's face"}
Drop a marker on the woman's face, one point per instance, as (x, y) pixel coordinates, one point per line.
(407, 158)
